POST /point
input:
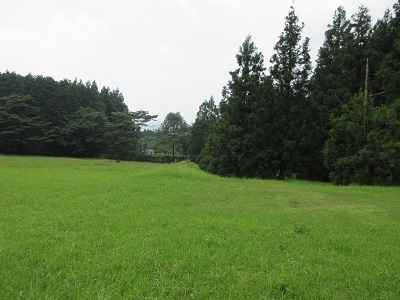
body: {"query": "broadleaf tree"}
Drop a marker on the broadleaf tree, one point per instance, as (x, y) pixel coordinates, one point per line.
(22, 129)
(205, 118)
(176, 132)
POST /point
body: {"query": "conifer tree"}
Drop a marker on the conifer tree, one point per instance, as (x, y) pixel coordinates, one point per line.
(233, 147)
(361, 24)
(364, 155)
(385, 43)
(332, 81)
(333, 73)
(290, 71)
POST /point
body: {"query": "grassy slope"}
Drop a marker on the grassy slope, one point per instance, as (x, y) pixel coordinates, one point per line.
(72, 228)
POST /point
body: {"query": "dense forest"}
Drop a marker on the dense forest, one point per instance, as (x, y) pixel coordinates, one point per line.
(39, 115)
(338, 120)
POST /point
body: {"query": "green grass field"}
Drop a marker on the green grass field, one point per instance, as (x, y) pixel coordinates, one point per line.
(93, 229)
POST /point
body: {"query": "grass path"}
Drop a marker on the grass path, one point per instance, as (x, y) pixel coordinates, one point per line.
(91, 229)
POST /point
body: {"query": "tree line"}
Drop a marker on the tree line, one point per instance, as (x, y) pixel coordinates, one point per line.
(40, 116)
(339, 121)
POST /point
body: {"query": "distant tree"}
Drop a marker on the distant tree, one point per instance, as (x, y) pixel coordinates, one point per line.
(290, 71)
(68, 117)
(22, 129)
(122, 133)
(149, 139)
(175, 131)
(44, 91)
(112, 100)
(184, 140)
(13, 84)
(121, 136)
(84, 133)
(205, 118)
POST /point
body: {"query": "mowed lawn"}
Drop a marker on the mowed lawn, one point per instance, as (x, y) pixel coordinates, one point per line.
(94, 229)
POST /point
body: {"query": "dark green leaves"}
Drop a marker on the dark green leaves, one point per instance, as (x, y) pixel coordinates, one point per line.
(39, 115)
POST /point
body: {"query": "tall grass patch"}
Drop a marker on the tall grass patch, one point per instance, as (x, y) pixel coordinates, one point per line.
(84, 228)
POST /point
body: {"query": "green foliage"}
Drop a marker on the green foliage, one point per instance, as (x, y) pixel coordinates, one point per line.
(263, 129)
(83, 133)
(338, 73)
(364, 144)
(121, 135)
(89, 229)
(23, 131)
(234, 146)
(383, 144)
(206, 117)
(288, 125)
(386, 39)
(176, 132)
(290, 71)
(150, 139)
(347, 137)
(279, 125)
(332, 80)
(41, 116)
(361, 24)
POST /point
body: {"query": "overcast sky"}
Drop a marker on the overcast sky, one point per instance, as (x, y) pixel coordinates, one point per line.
(163, 55)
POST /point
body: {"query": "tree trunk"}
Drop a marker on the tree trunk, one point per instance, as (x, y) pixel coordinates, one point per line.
(366, 99)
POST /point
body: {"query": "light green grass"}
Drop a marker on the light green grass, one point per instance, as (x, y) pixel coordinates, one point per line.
(91, 229)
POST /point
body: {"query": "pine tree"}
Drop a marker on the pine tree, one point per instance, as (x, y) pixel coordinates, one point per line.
(361, 24)
(386, 41)
(332, 81)
(233, 147)
(332, 84)
(290, 71)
